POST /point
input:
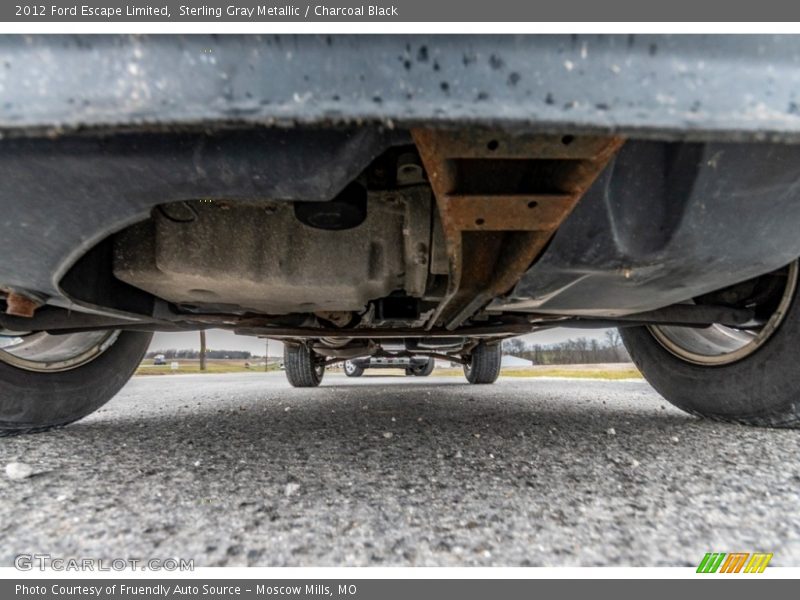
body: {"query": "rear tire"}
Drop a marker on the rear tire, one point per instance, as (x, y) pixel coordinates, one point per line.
(35, 401)
(352, 369)
(757, 386)
(483, 365)
(304, 368)
(425, 370)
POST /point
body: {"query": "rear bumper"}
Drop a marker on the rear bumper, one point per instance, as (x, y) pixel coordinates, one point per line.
(741, 87)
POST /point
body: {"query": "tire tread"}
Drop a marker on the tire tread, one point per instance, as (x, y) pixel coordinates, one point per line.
(298, 359)
(666, 373)
(111, 370)
(484, 365)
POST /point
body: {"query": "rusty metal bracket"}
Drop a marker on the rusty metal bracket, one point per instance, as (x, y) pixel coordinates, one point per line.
(500, 199)
(19, 304)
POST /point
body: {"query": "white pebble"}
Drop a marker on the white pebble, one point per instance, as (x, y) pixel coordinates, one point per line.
(611, 431)
(675, 439)
(291, 489)
(388, 434)
(18, 471)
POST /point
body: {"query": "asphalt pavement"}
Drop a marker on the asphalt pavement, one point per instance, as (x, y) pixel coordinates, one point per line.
(241, 469)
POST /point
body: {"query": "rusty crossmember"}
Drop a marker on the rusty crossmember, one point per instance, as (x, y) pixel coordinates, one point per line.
(501, 198)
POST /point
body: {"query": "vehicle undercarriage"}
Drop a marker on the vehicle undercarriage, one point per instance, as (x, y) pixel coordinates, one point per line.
(389, 225)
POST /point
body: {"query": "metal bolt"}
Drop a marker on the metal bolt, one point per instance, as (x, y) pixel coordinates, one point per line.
(409, 169)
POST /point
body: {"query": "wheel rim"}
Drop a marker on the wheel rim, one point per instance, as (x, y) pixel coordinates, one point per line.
(722, 345)
(45, 353)
(349, 367)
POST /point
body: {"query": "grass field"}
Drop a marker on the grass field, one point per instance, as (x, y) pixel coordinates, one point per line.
(193, 366)
(611, 371)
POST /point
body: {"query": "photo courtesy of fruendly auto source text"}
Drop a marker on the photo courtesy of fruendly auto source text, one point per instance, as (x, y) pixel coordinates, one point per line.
(426, 300)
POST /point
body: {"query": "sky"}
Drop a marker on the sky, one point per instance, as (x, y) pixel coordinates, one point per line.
(218, 339)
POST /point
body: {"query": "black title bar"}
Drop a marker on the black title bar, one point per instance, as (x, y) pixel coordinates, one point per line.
(400, 11)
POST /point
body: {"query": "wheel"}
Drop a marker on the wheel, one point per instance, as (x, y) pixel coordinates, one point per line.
(483, 364)
(48, 381)
(304, 368)
(353, 370)
(424, 370)
(746, 376)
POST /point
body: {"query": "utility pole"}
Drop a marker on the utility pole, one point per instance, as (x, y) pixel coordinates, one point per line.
(202, 349)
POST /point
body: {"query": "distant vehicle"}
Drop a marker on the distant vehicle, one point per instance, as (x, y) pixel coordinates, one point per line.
(420, 366)
(159, 359)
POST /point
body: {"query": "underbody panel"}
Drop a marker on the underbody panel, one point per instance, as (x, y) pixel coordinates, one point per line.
(665, 223)
(260, 258)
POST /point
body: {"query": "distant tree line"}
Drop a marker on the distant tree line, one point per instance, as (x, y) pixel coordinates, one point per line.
(571, 352)
(189, 354)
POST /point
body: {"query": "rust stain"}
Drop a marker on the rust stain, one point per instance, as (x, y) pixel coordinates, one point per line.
(18, 305)
(500, 199)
